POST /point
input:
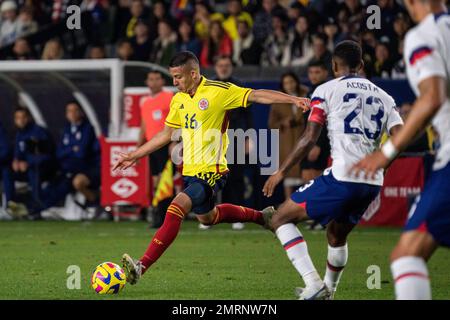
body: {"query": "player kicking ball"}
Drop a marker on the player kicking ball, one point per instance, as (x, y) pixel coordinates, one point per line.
(200, 110)
(356, 112)
(427, 56)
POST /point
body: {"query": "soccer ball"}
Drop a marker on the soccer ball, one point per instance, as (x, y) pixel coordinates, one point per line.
(108, 278)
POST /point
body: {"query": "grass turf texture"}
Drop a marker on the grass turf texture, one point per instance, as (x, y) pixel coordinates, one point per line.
(215, 264)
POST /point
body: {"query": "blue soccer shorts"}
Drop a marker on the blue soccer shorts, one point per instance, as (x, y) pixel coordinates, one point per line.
(431, 210)
(202, 189)
(326, 199)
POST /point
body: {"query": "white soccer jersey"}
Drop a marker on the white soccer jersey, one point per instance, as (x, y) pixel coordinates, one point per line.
(357, 112)
(427, 54)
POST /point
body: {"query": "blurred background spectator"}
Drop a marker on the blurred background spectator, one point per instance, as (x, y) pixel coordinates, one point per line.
(10, 27)
(78, 154)
(137, 12)
(263, 18)
(21, 50)
(164, 46)
(320, 51)
(246, 50)
(141, 42)
(34, 160)
(186, 40)
(289, 120)
(301, 46)
(202, 18)
(235, 13)
(96, 52)
(53, 50)
(217, 43)
(277, 45)
(383, 65)
(124, 50)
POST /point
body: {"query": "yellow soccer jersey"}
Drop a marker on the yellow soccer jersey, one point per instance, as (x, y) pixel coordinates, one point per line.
(203, 120)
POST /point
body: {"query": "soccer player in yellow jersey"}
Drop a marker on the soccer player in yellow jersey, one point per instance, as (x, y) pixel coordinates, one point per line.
(200, 110)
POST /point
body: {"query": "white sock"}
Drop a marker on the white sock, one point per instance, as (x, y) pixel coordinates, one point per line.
(297, 251)
(411, 279)
(336, 261)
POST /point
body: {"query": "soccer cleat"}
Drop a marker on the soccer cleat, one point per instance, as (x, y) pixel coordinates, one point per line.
(238, 226)
(267, 216)
(132, 268)
(298, 291)
(17, 210)
(307, 294)
(202, 226)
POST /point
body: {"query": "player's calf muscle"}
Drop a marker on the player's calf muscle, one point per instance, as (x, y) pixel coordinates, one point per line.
(289, 212)
(414, 243)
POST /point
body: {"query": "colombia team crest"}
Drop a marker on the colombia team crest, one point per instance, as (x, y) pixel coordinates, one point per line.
(203, 104)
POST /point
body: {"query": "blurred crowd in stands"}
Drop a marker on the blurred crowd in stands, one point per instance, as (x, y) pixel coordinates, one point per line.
(265, 32)
(223, 34)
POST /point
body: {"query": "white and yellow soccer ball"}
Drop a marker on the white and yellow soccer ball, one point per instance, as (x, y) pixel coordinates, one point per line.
(108, 278)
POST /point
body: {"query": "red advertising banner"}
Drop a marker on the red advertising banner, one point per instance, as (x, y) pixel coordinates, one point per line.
(131, 186)
(403, 181)
(133, 99)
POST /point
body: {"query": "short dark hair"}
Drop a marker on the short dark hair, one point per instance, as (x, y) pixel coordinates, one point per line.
(24, 110)
(349, 52)
(182, 58)
(157, 72)
(318, 63)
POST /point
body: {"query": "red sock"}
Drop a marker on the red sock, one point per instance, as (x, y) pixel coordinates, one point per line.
(164, 236)
(231, 213)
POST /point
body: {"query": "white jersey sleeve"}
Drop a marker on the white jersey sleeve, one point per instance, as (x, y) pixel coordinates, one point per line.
(423, 58)
(394, 118)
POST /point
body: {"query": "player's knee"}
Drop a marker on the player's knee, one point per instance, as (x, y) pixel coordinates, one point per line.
(206, 219)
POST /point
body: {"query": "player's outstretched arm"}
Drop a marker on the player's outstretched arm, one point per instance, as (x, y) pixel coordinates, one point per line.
(306, 143)
(161, 139)
(271, 96)
(433, 93)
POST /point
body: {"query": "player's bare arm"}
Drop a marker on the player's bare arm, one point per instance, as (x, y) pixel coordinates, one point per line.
(271, 96)
(161, 139)
(306, 143)
(432, 96)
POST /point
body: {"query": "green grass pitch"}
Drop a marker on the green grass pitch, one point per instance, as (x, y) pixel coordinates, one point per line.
(215, 264)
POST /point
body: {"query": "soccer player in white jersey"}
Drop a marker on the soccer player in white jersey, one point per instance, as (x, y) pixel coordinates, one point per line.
(427, 56)
(356, 113)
